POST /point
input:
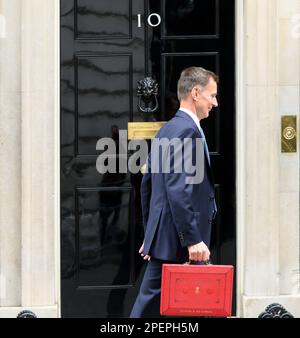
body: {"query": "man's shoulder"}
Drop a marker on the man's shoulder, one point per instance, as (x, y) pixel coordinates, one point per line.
(176, 127)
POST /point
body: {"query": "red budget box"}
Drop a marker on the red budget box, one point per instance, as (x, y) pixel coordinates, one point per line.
(196, 290)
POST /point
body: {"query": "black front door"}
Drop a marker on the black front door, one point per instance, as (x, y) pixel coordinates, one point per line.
(106, 48)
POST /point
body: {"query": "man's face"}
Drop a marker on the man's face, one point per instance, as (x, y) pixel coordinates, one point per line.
(205, 99)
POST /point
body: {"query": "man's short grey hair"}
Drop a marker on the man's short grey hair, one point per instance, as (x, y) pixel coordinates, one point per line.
(191, 77)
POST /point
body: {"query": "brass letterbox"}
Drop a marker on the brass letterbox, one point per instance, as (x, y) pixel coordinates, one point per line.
(143, 130)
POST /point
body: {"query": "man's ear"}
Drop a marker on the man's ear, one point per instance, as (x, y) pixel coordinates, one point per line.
(194, 93)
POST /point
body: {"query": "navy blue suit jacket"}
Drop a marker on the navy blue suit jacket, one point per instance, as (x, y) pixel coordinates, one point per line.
(176, 214)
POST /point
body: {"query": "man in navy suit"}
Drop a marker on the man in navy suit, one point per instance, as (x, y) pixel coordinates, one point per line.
(177, 215)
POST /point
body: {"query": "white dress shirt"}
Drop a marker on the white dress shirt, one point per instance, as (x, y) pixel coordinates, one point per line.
(193, 116)
(197, 122)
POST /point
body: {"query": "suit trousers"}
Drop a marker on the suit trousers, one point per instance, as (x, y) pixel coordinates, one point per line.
(147, 304)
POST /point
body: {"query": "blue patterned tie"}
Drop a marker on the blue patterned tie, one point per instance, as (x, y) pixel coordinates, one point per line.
(208, 158)
(205, 145)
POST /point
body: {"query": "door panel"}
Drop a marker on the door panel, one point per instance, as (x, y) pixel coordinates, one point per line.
(185, 18)
(108, 20)
(104, 95)
(103, 55)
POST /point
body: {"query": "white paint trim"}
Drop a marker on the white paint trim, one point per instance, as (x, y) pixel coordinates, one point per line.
(38, 154)
(57, 153)
(240, 153)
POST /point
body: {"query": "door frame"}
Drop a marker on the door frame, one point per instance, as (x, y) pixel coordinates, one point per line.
(240, 147)
(241, 128)
(56, 54)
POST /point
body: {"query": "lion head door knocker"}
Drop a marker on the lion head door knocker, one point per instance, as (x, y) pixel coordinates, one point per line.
(147, 91)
